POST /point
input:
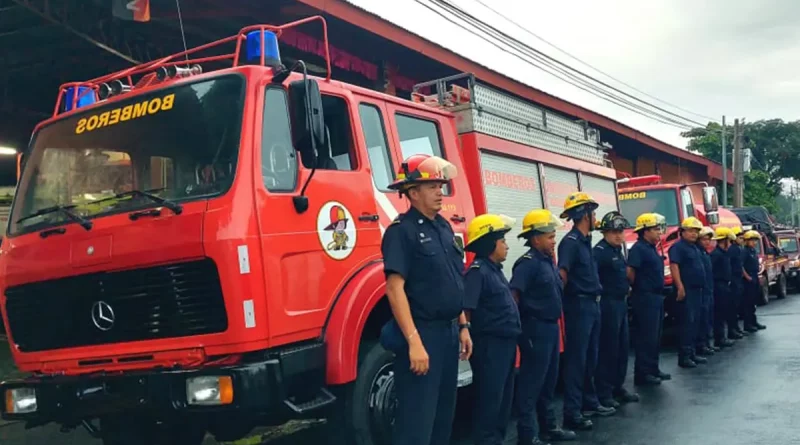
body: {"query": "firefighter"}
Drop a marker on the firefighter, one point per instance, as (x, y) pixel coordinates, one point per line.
(582, 291)
(423, 265)
(688, 275)
(612, 361)
(723, 297)
(537, 287)
(646, 275)
(736, 254)
(494, 316)
(752, 286)
(702, 329)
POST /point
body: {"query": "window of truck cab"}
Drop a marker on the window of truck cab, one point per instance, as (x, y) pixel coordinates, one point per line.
(180, 143)
(419, 135)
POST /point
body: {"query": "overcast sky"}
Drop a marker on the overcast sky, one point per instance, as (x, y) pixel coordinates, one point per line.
(711, 57)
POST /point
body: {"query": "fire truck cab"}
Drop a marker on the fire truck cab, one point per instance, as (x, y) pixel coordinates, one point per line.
(193, 252)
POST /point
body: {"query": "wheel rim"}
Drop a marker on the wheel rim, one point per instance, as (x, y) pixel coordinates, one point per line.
(382, 403)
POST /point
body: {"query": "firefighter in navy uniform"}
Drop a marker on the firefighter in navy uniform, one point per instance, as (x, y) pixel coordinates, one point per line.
(752, 287)
(723, 298)
(536, 285)
(423, 265)
(582, 291)
(736, 255)
(688, 274)
(495, 321)
(646, 274)
(704, 315)
(612, 361)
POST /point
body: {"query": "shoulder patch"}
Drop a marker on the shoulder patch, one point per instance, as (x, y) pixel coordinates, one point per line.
(475, 266)
(527, 256)
(572, 237)
(599, 247)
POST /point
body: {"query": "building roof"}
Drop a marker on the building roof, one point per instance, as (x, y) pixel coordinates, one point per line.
(375, 24)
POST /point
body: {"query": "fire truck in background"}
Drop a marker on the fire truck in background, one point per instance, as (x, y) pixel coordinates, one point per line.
(675, 202)
(774, 263)
(197, 252)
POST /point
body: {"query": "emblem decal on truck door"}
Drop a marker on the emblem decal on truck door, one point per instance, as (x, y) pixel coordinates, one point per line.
(336, 230)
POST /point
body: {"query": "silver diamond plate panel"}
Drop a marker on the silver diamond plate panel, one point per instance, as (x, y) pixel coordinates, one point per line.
(497, 114)
(559, 183)
(512, 188)
(604, 191)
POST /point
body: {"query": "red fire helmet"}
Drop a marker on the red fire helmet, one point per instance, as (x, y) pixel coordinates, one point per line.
(423, 168)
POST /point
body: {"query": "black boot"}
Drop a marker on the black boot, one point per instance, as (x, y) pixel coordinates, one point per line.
(623, 396)
(699, 360)
(724, 343)
(599, 410)
(611, 403)
(686, 362)
(647, 380)
(578, 423)
(663, 375)
(557, 434)
(760, 326)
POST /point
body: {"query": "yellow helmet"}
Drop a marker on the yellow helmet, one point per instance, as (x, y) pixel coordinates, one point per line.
(736, 231)
(724, 233)
(575, 200)
(752, 234)
(707, 231)
(649, 220)
(486, 224)
(691, 223)
(539, 220)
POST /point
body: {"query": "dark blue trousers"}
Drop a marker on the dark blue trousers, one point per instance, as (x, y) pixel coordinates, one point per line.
(492, 365)
(737, 290)
(648, 313)
(752, 291)
(582, 326)
(702, 319)
(690, 308)
(426, 404)
(723, 306)
(538, 375)
(612, 360)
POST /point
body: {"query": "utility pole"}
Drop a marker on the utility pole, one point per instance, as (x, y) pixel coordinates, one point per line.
(724, 166)
(738, 174)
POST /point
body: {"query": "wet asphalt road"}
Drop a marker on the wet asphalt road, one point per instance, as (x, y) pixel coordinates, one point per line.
(748, 394)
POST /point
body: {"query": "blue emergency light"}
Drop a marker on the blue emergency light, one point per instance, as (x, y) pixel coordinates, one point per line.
(85, 97)
(272, 55)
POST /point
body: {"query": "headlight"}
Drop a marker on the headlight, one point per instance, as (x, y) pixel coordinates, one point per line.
(209, 390)
(21, 401)
(667, 272)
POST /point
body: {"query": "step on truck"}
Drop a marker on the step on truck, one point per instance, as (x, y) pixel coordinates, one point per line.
(194, 244)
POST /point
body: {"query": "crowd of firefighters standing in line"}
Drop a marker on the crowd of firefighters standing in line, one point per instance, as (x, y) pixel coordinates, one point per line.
(441, 312)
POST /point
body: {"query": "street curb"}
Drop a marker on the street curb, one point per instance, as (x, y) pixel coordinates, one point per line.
(4, 424)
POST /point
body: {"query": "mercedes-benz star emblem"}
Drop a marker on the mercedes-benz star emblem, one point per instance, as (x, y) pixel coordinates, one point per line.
(103, 316)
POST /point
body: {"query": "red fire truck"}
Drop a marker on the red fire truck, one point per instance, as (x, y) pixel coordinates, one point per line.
(193, 252)
(675, 202)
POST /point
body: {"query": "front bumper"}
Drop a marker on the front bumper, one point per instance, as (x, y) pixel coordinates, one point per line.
(259, 387)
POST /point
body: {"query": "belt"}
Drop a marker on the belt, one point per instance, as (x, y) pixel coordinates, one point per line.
(589, 297)
(436, 322)
(617, 297)
(540, 320)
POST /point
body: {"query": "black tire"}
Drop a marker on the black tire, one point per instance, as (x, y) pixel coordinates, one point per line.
(132, 431)
(364, 413)
(781, 290)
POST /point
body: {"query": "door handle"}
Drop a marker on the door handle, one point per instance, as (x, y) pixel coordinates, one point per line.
(152, 212)
(458, 219)
(368, 217)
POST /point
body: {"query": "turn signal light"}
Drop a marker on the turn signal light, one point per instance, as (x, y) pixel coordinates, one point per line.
(209, 390)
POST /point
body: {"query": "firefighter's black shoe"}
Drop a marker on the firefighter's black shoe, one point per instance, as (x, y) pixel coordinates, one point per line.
(760, 326)
(534, 441)
(663, 375)
(599, 410)
(704, 351)
(751, 329)
(700, 360)
(579, 423)
(611, 403)
(647, 380)
(558, 435)
(724, 343)
(623, 396)
(687, 363)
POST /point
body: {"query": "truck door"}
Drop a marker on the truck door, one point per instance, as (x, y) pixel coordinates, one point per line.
(309, 256)
(416, 132)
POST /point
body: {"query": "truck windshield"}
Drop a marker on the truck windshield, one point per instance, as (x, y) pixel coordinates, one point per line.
(788, 245)
(664, 202)
(180, 143)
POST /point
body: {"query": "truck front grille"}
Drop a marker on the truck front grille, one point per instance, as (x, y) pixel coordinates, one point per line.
(174, 300)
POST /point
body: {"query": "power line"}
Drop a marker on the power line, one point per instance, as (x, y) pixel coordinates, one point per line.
(531, 33)
(560, 66)
(583, 84)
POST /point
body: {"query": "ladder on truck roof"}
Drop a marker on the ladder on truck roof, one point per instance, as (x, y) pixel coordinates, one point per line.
(483, 109)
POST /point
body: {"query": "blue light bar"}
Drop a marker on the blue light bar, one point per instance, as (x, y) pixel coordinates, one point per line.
(272, 55)
(83, 99)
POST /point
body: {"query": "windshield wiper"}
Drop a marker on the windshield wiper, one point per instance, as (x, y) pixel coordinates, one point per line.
(174, 206)
(66, 210)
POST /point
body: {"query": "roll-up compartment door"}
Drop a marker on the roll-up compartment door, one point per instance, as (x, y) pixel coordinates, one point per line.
(512, 188)
(603, 191)
(559, 183)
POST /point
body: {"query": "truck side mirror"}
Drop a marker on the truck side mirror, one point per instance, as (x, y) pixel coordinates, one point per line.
(713, 217)
(308, 122)
(710, 201)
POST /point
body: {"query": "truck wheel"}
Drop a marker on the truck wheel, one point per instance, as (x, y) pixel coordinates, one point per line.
(127, 431)
(765, 293)
(365, 412)
(781, 291)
